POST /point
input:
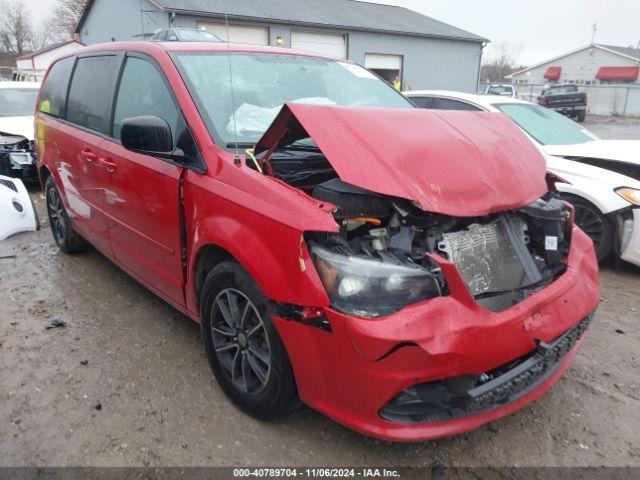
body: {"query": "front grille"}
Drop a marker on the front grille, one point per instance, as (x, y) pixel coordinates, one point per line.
(530, 372)
(471, 394)
(485, 256)
(9, 184)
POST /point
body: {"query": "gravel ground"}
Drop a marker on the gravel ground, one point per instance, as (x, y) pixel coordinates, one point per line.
(614, 128)
(126, 382)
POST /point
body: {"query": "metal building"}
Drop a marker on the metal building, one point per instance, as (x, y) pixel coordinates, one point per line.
(595, 64)
(393, 41)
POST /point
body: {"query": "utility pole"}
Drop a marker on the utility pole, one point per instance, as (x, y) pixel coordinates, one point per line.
(593, 35)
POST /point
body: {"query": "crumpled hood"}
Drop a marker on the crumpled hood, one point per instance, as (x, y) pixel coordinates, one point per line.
(453, 163)
(19, 126)
(618, 150)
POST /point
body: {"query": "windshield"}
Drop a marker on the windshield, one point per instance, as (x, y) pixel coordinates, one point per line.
(546, 126)
(500, 90)
(263, 83)
(197, 36)
(18, 102)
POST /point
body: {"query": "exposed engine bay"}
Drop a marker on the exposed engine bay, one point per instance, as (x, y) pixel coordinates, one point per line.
(17, 157)
(385, 255)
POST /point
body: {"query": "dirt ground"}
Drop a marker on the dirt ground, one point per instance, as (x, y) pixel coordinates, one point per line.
(127, 352)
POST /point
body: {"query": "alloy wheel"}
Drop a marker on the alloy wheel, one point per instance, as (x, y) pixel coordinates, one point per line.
(240, 341)
(56, 215)
(591, 223)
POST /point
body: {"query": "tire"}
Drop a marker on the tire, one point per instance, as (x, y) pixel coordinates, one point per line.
(243, 346)
(581, 117)
(596, 225)
(64, 235)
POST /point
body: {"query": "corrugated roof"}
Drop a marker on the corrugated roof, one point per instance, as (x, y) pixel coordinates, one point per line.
(348, 14)
(629, 51)
(47, 49)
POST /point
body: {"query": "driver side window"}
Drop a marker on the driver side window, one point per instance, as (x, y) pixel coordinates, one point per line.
(143, 91)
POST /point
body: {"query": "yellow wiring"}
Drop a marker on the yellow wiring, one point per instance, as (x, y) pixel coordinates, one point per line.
(251, 155)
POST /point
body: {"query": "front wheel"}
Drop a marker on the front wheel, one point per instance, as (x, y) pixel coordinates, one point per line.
(596, 225)
(243, 346)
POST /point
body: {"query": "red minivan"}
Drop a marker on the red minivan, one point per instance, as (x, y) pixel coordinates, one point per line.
(409, 273)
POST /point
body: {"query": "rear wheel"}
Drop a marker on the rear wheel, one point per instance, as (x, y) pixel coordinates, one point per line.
(66, 238)
(595, 224)
(581, 117)
(244, 349)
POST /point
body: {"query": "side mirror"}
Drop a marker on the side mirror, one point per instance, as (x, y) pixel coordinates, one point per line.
(148, 135)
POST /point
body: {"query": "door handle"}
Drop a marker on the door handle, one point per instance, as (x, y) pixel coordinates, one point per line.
(88, 155)
(109, 165)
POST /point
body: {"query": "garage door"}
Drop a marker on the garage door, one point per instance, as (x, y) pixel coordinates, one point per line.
(321, 43)
(388, 67)
(383, 62)
(238, 33)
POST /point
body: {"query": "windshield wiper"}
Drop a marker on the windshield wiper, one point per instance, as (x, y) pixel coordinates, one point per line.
(240, 145)
(301, 147)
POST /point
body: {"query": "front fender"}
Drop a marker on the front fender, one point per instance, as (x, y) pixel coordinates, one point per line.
(274, 253)
(606, 200)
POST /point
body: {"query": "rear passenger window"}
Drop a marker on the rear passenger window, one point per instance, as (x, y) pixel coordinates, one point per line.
(54, 91)
(143, 91)
(448, 104)
(92, 91)
(422, 102)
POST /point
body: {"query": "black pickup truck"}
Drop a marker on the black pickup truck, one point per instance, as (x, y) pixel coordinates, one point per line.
(565, 99)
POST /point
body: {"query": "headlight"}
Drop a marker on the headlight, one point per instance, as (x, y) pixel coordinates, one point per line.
(21, 158)
(629, 194)
(371, 288)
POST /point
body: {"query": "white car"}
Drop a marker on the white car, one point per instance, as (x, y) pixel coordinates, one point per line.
(17, 108)
(603, 177)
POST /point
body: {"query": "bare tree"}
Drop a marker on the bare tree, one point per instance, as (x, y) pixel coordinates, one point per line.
(43, 36)
(65, 18)
(500, 61)
(16, 31)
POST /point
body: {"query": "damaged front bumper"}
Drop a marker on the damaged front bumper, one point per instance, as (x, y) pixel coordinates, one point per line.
(357, 370)
(18, 162)
(470, 394)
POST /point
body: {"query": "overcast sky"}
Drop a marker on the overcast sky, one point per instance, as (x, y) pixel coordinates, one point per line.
(544, 28)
